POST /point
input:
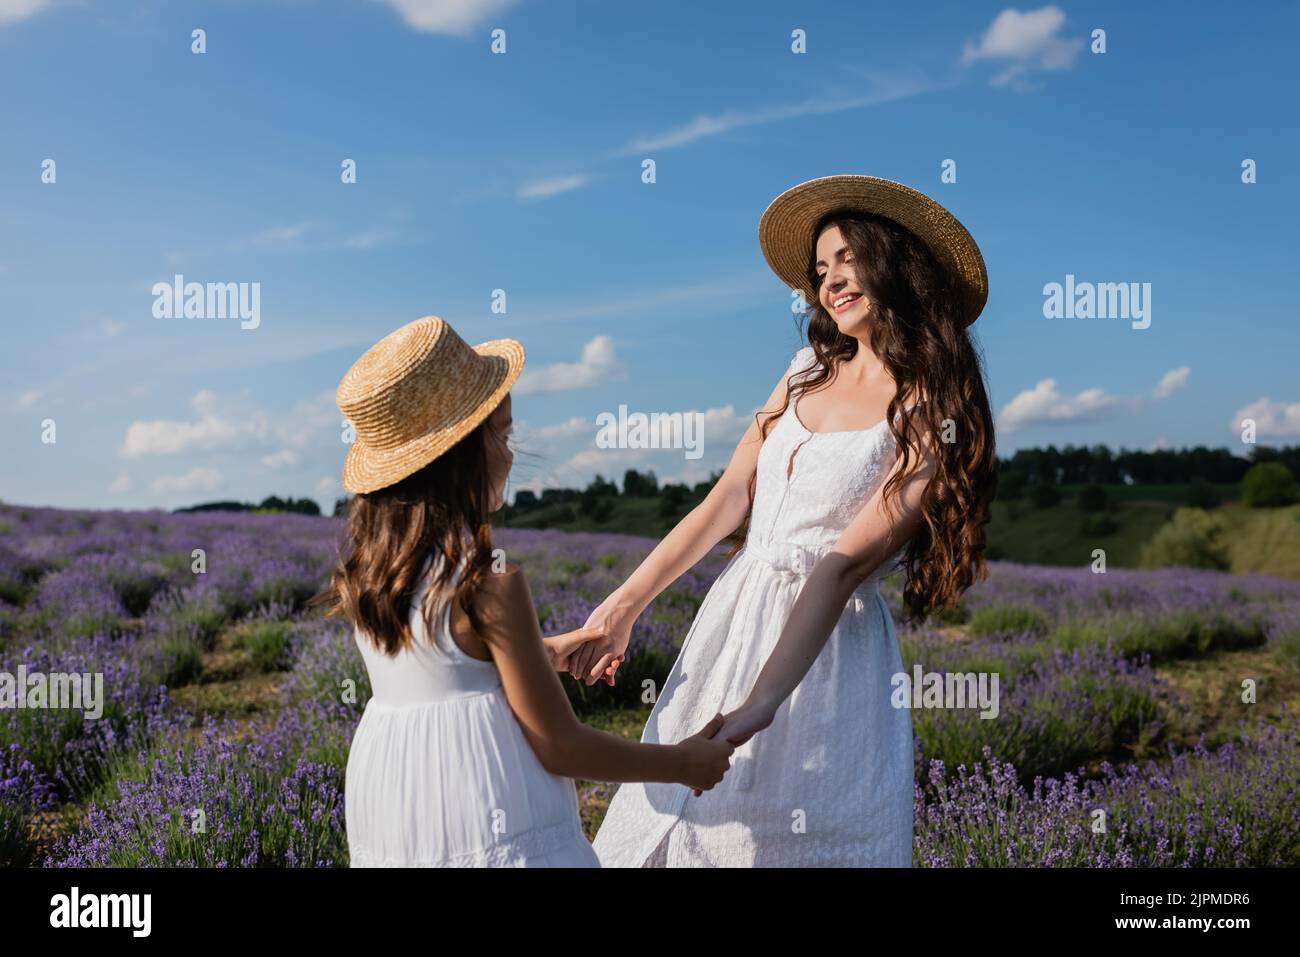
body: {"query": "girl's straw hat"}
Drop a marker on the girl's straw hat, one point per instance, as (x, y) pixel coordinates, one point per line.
(785, 231)
(416, 393)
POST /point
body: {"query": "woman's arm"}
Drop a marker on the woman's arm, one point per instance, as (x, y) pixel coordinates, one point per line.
(720, 514)
(862, 548)
(564, 745)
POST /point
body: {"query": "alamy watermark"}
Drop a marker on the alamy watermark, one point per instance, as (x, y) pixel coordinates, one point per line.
(1101, 300)
(951, 689)
(36, 689)
(179, 299)
(656, 430)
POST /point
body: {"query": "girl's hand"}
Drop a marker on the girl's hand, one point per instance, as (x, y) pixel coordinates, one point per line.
(560, 648)
(706, 757)
(599, 659)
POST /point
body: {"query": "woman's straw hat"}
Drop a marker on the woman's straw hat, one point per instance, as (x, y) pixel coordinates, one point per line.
(416, 393)
(785, 231)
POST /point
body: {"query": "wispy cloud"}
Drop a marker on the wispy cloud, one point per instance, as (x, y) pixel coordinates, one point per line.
(1171, 382)
(705, 125)
(25, 401)
(546, 188)
(11, 11)
(195, 480)
(749, 288)
(1024, 42)
(312, 236)
(458, 18)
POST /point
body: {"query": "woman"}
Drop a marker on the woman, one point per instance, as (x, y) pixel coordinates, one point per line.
(794, 639)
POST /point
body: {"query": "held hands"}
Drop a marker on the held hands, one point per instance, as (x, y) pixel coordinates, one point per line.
(737, 727)
(560, 648)
(599, 659)
(746, 721)
(705, 758)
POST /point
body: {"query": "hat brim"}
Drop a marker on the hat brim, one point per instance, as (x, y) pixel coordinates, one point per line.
(368, 470)
(785, 230)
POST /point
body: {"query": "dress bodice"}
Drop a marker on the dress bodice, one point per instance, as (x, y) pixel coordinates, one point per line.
(432, 668)
(806, 504)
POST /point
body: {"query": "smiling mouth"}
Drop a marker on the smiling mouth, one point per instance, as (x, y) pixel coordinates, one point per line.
(841, 303)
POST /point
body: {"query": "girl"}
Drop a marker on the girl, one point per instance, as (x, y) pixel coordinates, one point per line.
(794, 637)
(464, 752)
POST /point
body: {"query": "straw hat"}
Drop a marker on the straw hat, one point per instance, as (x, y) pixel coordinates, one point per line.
(416, 393)
(785, 231)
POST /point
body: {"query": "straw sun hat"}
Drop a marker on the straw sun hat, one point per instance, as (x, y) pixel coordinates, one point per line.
(785, 231)
(416, 393)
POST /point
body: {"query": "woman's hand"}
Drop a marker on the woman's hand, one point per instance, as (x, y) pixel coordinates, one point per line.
(560, 648)
(600, 658)
(746, 721)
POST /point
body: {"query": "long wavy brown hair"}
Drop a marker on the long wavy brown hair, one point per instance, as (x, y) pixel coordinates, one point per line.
(441, 510)
(919, 333)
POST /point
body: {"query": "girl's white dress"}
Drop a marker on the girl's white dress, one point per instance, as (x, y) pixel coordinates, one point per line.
(440, 773)
(829, 783)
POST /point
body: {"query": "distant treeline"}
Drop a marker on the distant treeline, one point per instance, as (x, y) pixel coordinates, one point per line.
(1081, 465)
(1026, 469)
(303, 506)
(1024, 472)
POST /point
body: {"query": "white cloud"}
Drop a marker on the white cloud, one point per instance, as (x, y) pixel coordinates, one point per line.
(526, 435)
(199, 479)
(285, 458)
(598, 364)
(121, 484)
(721, 429)
(546, 188)
(212, 430)
(1024, 41)
(1043, 403)
(11, 11)
(25, 401)
(1273, 419)
(452, 17)
(1171, 382)
(279, 237)
(328, 487)
(229, 423)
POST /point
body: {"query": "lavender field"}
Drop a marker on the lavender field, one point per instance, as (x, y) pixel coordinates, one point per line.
(1145, 718)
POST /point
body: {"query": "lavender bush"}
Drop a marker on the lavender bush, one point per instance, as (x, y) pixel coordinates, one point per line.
(143, 597)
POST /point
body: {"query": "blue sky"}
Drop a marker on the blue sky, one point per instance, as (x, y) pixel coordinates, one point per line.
(521, 171)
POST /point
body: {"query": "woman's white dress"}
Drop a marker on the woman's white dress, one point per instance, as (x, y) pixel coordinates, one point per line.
(829, 783)
(440, 773)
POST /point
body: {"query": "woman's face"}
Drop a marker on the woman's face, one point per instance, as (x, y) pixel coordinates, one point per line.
(499, 455)
(840, 292)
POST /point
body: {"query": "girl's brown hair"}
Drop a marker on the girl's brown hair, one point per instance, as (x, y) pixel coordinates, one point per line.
(919, 332)
(441, 511)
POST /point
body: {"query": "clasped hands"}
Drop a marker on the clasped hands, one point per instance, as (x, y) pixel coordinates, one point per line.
(595, 651)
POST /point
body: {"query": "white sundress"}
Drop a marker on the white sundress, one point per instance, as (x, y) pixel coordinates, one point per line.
(440, 774)
(829, 783)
